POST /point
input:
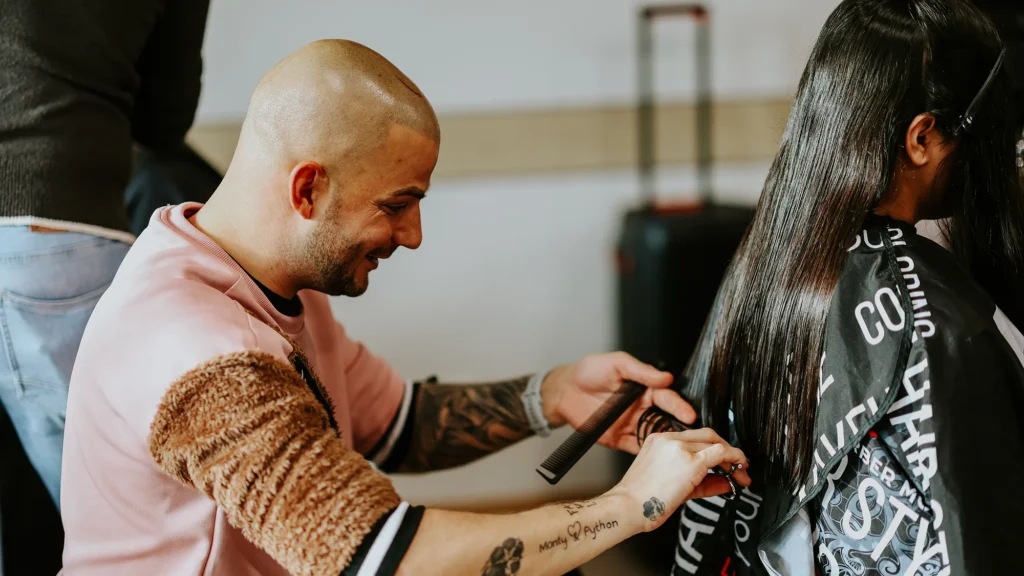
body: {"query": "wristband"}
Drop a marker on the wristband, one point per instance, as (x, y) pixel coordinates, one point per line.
(532, 404)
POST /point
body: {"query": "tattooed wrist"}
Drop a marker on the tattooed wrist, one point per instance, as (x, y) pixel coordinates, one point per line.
(654, 509)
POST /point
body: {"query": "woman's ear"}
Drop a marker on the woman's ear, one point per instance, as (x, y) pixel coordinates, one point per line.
(924, 141)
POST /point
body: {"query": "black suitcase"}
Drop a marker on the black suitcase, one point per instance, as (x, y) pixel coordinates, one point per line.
(670, 266)
(671, 258)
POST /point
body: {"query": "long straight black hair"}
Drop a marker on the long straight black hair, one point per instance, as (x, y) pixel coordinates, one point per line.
(877, 64)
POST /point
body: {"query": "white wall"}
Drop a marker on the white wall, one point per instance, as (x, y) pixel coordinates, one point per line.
(486, 54)
(514, 274)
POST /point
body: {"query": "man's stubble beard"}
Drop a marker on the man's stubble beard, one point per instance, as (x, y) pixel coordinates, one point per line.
(331, 275)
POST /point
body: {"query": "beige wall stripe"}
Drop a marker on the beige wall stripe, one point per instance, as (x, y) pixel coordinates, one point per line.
(570, 139)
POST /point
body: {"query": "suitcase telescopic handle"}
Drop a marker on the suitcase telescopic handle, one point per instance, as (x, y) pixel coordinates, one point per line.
(645, 102)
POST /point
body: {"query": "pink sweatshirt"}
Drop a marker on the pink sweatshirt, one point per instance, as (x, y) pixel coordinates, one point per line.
(153, 477)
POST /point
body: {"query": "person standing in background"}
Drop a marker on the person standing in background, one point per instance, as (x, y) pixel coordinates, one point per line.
(79, 84)
(162, 177)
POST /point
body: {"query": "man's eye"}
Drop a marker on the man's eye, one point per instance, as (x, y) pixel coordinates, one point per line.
(394, 208)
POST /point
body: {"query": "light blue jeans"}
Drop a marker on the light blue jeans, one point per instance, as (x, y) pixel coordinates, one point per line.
(49, 284)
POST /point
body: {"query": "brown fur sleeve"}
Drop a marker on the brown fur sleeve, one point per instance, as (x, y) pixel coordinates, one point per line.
(245, 430)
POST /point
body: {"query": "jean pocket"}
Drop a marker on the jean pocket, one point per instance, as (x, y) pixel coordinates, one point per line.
(41, 338)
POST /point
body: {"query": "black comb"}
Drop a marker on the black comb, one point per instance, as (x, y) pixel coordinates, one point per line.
(583, 439)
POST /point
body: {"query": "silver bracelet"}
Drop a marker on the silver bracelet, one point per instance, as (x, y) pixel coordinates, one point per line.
(534, 409)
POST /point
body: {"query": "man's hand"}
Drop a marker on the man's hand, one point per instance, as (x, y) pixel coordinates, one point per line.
(572, 393)
(673, 467)
(552, 540)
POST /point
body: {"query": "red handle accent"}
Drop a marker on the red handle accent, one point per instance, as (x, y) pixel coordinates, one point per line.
(697, 11)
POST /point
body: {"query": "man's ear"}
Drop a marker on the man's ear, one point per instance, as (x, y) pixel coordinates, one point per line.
(922, 140)
(307, 187)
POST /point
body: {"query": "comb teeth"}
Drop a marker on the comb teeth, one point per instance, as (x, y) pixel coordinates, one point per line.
(583, 439)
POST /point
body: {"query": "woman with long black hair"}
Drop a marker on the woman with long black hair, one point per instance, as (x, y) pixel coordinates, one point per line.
(875, 379)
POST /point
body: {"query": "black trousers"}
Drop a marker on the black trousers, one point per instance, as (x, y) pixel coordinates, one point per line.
(31, 533)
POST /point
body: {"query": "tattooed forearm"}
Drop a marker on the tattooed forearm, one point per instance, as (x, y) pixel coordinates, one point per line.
(456, 424)
(574, 508)
(579, 531)
(505, 559)
(654, 509)
(559, 542)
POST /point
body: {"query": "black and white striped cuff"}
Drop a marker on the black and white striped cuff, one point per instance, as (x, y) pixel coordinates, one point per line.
(384, 547)
(391, 450)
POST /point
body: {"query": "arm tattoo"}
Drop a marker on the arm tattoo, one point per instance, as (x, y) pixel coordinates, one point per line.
(505, 559)
(578, 530)
(574, 508)
(654, 509)
(456, 424)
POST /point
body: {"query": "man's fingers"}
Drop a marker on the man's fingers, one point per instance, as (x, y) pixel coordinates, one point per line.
(673, 403)
(719, 454)
(738, 474)
(710, 450)
(626, 442)
(742, 477)
(630, 368)
(710, 486)
(694, 447)
(703, 435)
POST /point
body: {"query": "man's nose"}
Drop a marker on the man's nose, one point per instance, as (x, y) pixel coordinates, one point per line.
(409, 233)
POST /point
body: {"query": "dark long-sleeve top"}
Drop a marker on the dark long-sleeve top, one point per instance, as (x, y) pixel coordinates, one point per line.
(79, 82)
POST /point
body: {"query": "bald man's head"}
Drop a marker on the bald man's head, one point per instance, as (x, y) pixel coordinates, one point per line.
(336, 151)
(333, 99)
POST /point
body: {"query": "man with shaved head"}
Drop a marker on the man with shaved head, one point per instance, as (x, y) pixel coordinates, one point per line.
(221, 422)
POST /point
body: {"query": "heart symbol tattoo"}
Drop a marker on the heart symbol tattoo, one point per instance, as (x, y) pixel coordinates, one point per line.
(575, 530)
